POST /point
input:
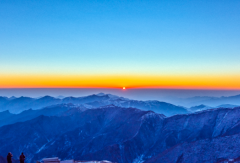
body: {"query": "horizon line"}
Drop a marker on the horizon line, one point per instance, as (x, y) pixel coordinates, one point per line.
(130, 88)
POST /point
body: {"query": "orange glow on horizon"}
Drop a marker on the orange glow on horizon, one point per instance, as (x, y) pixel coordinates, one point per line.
(121, 81)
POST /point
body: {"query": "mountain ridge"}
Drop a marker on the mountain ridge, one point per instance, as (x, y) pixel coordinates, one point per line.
(17, 105)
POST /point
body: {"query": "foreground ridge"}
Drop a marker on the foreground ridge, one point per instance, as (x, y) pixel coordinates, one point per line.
(126, 135)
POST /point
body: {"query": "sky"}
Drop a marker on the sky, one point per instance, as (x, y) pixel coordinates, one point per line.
(114, 44)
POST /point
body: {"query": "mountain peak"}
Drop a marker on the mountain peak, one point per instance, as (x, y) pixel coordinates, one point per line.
(101, 94)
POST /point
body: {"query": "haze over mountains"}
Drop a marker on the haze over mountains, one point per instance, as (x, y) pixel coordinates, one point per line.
(17, 105)
(210, 101)
(55, 110)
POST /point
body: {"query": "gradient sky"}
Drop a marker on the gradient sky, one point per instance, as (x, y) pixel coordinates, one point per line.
(132, 43)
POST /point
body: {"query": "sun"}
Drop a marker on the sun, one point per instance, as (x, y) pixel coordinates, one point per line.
(123, 88)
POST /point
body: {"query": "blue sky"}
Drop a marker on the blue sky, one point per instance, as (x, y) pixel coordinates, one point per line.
(120, 37)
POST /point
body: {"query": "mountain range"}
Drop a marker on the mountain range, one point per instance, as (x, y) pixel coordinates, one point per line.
(55, 110)
(125, 135)
(209, 101)
(17, 105)
(205, 107)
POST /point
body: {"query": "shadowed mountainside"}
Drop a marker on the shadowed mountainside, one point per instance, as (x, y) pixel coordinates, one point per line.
(56, 110)
(127, 135)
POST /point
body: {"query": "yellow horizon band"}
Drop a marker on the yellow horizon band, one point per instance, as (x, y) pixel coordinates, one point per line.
(119, 81)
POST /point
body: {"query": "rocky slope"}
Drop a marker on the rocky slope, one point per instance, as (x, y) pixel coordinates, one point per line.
(127, 135)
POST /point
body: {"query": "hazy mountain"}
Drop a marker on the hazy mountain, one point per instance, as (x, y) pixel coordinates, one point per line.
(156, 106)
(11, 98)
(18, 105)
(55, 110)
(60, 97)
(205, 107)
(127, 135)
(227, 106)
(5, 115)
(44, 101)
(211, 101)
(199, 108)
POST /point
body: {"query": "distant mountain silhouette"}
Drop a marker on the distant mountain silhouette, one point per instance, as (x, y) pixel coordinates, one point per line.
(210, 101)
(200, 108)
(17, 105)
(227, 106)
(126, 135)
(20, 104)
(55, 110)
